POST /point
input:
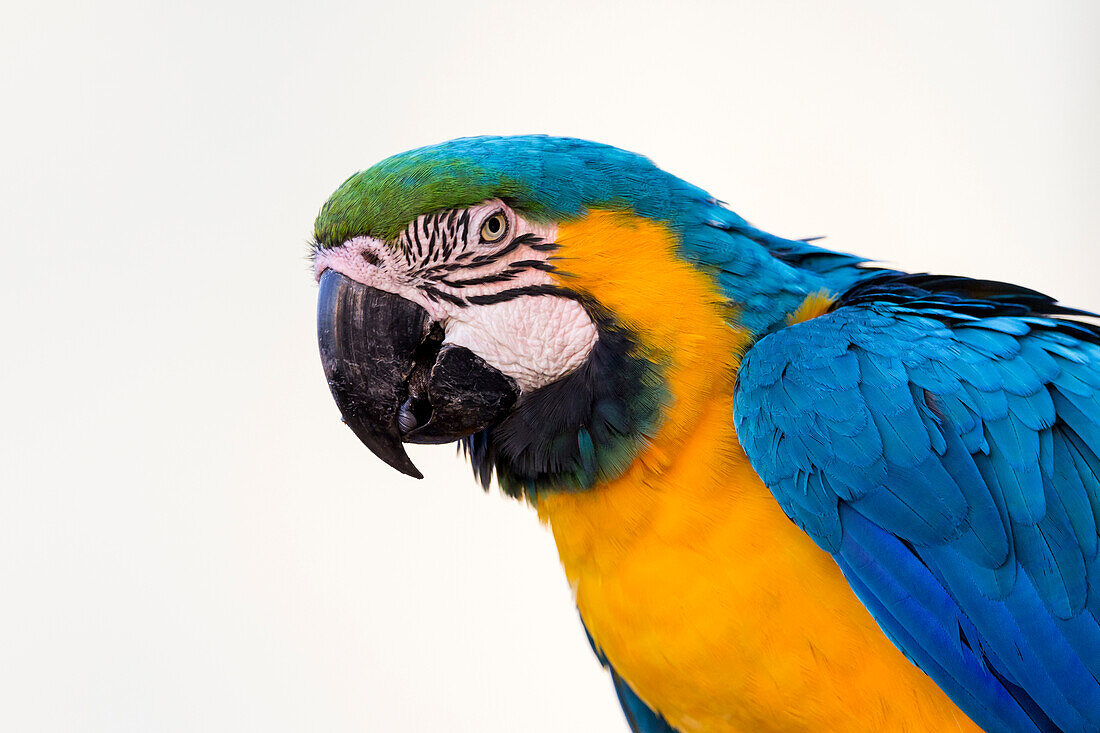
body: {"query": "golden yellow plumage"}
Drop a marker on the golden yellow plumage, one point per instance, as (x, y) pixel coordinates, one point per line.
(710, 603)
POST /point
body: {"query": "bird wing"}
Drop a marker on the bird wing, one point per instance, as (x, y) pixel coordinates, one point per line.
(940, 437)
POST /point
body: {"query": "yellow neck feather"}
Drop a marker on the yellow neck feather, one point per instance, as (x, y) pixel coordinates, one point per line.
(682, 322)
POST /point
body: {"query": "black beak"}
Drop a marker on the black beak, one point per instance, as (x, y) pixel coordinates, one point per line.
(392, 377)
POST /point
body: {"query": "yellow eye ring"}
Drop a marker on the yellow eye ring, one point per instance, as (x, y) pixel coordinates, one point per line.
(494, 228)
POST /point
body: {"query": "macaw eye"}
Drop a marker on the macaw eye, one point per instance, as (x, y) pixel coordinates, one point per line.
(494, 228)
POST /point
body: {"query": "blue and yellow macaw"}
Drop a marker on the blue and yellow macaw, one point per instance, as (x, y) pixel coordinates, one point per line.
(790, 490)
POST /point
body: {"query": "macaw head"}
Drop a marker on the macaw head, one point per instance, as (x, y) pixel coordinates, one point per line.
(545, 300)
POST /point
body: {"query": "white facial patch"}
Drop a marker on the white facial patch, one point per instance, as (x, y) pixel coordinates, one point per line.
(534, 339)
(491, 294)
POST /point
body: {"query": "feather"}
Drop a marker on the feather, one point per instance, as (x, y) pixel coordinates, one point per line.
(983, 440)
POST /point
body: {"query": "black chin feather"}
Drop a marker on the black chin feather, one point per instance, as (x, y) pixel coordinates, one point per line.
(584, 428)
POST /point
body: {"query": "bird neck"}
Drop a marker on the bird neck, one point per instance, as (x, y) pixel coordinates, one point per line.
(672, 329)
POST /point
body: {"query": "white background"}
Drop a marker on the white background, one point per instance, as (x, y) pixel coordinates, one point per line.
(189, 538)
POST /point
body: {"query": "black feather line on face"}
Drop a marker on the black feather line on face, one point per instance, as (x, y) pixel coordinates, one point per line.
(487, 280)
(449, 244)
(523, 239)
(514, 270)
(437, 294)
(513, 293)
(462, 230)
(527, 239)
(416, 239)
(430, 232)
(532, 265)
(483, 259)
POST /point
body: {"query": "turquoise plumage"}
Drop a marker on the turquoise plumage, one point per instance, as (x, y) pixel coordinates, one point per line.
(939, 436)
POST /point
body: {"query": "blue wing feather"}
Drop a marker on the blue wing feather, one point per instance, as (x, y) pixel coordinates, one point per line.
(941, 438)
(640, 717)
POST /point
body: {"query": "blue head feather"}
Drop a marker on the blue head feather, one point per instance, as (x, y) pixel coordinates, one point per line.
(562, 179)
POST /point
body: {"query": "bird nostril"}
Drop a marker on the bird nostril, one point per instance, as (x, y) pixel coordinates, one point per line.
(371, 258)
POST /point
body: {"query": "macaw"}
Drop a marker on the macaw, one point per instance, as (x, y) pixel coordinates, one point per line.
(790, 490)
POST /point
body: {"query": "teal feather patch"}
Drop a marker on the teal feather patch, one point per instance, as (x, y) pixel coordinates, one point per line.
(970, 501)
